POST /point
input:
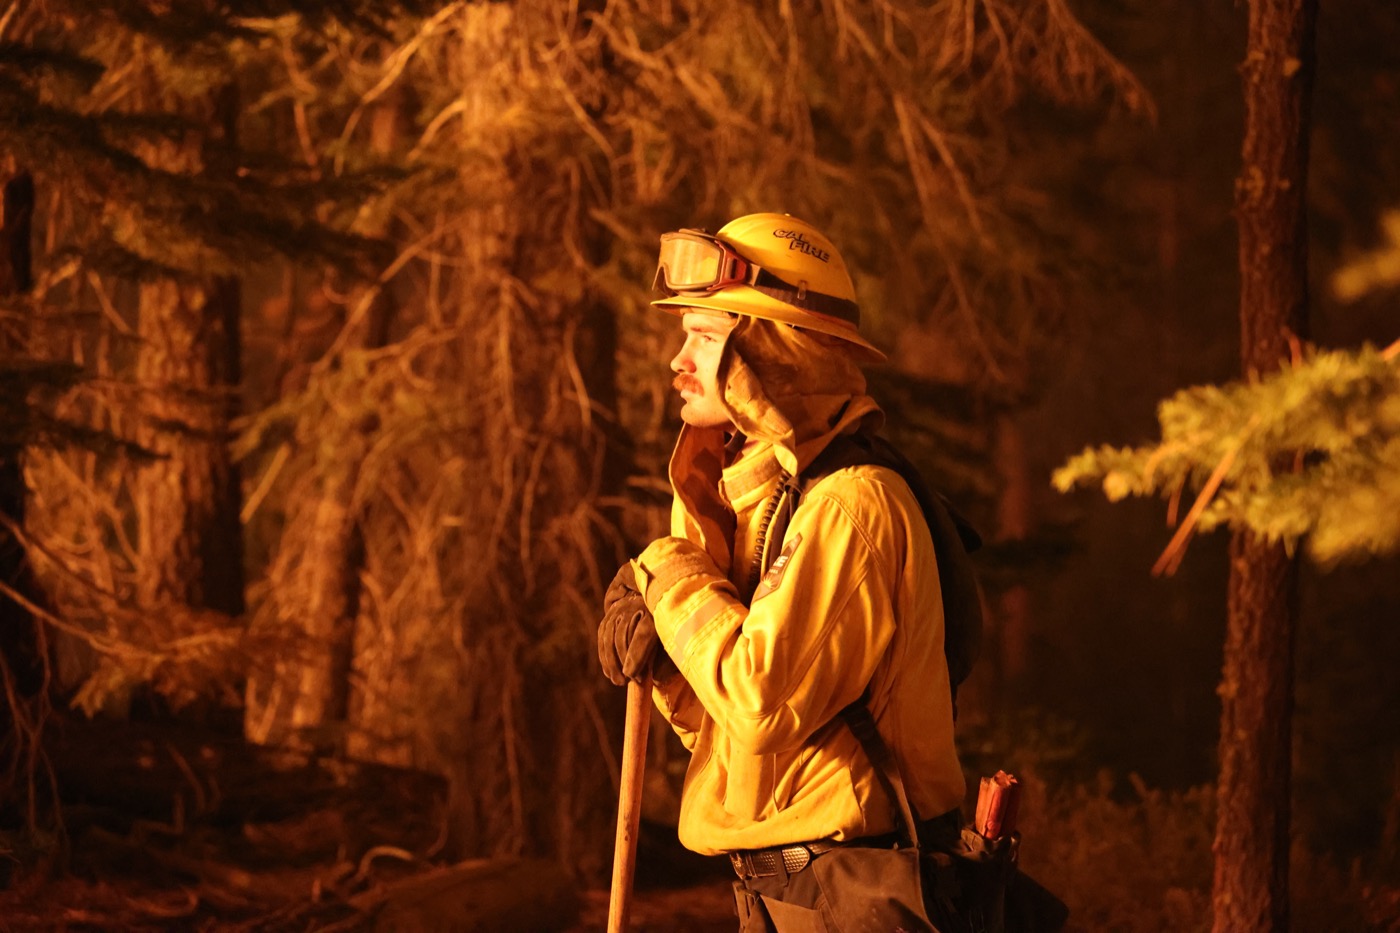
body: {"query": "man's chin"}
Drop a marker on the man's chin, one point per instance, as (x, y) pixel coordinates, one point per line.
(701, 419)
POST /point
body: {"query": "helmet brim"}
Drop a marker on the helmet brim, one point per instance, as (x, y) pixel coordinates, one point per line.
(744, 300)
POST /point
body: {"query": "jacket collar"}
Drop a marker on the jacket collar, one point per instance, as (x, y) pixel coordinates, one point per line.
(788, 393)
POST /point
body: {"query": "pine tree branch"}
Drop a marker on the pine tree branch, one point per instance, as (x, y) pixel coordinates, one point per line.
(1309, 452)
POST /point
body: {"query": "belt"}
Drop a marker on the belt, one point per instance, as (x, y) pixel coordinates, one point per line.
(763, 863)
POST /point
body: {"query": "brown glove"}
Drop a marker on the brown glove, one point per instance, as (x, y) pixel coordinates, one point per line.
(628, 646)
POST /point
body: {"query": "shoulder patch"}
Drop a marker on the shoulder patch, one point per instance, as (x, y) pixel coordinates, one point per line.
(774, 577)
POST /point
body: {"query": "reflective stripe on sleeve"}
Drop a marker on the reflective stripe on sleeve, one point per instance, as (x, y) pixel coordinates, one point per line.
(707, 610)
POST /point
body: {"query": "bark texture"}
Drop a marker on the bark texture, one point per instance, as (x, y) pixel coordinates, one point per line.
(1252, 828)
(188, 538)
(317, 597)
(190, 362)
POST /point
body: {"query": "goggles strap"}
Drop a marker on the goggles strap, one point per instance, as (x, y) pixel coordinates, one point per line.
(840, 308)
(761, 280)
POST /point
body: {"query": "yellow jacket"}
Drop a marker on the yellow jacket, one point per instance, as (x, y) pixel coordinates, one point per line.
(852, 602)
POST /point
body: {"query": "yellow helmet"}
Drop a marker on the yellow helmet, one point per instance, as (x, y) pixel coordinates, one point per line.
(770, 266)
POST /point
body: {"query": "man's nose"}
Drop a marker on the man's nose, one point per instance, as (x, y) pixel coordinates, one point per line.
(682, 363)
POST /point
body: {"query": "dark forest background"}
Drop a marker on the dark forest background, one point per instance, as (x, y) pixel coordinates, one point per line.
(332, 400)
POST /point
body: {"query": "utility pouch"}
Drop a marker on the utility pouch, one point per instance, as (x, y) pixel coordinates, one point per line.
(872, 889)
(976, 887)
(965, 886)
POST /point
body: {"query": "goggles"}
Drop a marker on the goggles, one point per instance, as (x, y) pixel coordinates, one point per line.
(694, 262)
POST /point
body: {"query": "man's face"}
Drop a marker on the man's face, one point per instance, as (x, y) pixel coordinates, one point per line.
(697, 365)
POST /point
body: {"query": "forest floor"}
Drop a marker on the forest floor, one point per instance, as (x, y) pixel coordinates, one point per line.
(168, 828)
(73, 905)
(703, 907)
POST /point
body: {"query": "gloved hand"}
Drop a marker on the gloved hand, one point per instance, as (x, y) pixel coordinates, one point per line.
(668, 561)
(628, 645)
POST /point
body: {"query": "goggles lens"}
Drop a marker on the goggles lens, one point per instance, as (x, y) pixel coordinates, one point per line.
(692, 260)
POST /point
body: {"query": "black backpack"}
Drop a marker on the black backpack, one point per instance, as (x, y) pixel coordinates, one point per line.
(954, 539)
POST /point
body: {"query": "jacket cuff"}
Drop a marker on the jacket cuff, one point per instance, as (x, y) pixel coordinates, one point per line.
(666, 562)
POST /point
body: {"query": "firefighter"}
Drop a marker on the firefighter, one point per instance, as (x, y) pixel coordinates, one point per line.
(753, 666)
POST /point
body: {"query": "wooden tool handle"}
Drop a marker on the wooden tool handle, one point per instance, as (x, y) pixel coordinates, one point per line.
(629, 802)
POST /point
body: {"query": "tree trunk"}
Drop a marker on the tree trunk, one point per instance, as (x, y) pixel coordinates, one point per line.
(20, 637)
(315, 594)
(306, 700)
(1252, 827)
(1013, 617)
(23, 658)
(188, 540)
(189, 359)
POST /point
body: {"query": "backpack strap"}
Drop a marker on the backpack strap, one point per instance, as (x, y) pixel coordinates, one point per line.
(857, 716)
(954, 538)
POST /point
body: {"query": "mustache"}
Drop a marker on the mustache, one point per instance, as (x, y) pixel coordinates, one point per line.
(686, 383)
